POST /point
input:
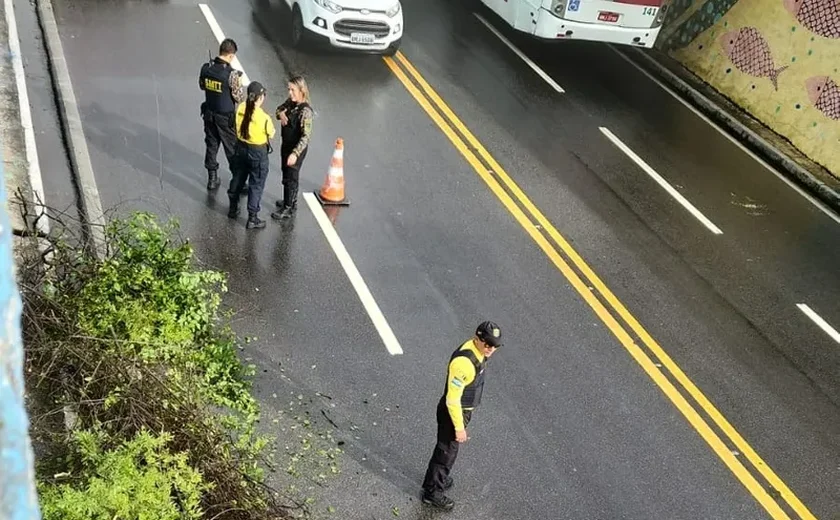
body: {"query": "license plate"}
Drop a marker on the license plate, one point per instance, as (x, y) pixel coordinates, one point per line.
(606, 16)
(362, 38)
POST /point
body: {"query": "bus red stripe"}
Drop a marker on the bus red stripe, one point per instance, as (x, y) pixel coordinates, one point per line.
(651, 3)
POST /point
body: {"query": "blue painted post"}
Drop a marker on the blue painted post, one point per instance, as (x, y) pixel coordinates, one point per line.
(18, 500)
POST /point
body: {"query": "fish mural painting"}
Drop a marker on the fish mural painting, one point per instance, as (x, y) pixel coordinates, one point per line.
(824, 93)
(736, 46)
(821, 17)
(747, 49)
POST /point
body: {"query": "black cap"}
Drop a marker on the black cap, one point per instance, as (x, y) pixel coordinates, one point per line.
(255, 88)
(489, 333)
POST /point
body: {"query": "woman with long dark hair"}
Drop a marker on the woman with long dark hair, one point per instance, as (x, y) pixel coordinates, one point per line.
(254, 129)
(295, 115)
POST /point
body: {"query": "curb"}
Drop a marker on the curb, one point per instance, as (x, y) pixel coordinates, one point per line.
(34, 179)
(71, 123)
(781, 161)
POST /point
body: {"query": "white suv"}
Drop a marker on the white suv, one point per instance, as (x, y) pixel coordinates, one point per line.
(363, 25)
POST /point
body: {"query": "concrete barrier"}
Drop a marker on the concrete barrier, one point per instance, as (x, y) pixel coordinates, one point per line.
(18, 500)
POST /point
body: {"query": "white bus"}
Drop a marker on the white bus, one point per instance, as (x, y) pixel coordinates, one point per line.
(626, 22)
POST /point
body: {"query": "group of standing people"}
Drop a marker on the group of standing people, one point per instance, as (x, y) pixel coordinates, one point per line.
(234, 118)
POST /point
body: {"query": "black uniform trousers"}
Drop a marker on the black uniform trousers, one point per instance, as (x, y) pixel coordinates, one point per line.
(291, 176)
(445, 452)
(219, 129)
(250, 163)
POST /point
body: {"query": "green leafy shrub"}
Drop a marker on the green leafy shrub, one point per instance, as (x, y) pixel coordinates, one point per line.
(138, 478)
(146, 291)
(136, 344)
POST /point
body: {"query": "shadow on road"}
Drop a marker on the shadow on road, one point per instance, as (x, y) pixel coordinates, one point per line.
(168, 162)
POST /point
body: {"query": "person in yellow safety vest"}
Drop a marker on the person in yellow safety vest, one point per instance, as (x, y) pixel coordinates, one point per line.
(462, 395)
(254, 131)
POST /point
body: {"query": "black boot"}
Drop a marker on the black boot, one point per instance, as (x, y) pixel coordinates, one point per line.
(286, 212)
(254, 222)
(233, 212)
(286, 207)
(291, 203)
(213, 181)
(289, 211)
(439, 501)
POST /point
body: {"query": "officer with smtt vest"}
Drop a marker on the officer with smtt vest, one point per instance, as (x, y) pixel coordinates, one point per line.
(462, 395)
(222, 88)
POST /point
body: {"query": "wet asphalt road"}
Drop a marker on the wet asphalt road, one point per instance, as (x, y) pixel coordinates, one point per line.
(571, 427)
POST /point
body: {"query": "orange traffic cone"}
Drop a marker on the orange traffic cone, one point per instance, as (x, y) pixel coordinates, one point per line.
(332, 192)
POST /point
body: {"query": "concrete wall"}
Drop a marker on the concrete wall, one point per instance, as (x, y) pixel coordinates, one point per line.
(778, 59)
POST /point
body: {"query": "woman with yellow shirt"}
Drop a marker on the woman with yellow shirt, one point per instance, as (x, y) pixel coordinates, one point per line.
(254, 130)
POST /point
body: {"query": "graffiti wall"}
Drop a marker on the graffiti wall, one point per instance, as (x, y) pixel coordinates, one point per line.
(778, 59)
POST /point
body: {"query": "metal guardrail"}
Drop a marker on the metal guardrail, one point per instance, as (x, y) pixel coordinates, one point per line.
(18, 499)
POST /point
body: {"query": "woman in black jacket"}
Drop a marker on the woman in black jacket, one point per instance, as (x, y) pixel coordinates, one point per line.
(295, 115)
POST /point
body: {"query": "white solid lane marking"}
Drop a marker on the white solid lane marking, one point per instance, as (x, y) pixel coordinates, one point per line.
(356, 280)
(810, 198)
(662, 182)
(341, 253)
(821, 323)
(519, 53)
(217, 32)
(36, 183)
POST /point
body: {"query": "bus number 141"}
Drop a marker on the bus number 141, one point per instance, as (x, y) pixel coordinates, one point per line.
(649, 11)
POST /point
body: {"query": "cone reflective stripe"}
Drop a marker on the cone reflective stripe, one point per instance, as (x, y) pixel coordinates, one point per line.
(332, 192)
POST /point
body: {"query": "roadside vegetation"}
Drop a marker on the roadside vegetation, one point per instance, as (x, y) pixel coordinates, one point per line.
(141, 407)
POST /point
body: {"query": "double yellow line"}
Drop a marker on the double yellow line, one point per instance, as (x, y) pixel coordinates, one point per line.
(492, 173)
